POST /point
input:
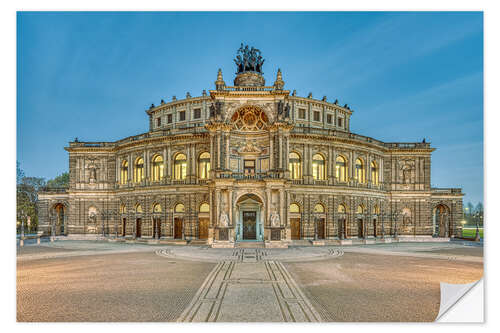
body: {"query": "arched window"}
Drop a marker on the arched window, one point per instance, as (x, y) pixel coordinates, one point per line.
(180, 166)
(294, 208)
(157, 208)
(138, 208)
(341, 169)
(341, 209)
(360, 209)
(318, 167)
(139, 170)
(294, 165)
(157, 168)
(124, 173)
(360, 171)
(204, 165)
(204, 208)
(179, 208)
(319, 208)
(374, 173)
(376, 209)
(123, 209)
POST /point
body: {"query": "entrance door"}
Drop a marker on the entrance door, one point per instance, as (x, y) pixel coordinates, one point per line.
(295, 228)
(321, 228)
(360, 228)
(178, 228)
(124, 226)
(138, 223)
(375, 228)
(249, 225)
(203, 232)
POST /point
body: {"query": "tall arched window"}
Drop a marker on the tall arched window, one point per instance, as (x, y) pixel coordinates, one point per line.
(294, 165)
(376, 209)
(360, 171)
(318, 167)
(139, 170)
(341, 169)
(204, 165)
(138, 209)
(341, 209)
(123, 209)
(124, 173)
(180, 166)
(374, 173)
(360, 209)
(157, 168)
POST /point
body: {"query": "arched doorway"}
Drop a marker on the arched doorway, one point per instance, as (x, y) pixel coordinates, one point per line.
(203, 220)
(295, 222)
(59, 219)
(138, 221)
(441, 221)
(249, 225)
(157, 210)
(342, 221)
(319, 220)
(361, 222)
(123, 214)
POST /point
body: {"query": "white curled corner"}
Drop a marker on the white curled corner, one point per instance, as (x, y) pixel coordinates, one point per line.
(452, 296)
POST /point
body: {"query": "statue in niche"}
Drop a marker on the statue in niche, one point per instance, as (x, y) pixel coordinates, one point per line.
(93, 174)
(224, 218)
(406, 173)
(275, 219)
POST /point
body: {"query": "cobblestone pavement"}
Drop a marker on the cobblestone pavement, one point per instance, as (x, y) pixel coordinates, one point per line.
(101, 281)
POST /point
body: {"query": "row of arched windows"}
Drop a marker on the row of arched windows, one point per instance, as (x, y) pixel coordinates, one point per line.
(156, 208)
(157, 168)
(319, 168)
(319, 208)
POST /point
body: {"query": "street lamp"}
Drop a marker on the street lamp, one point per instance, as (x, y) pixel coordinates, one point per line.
(395, 216)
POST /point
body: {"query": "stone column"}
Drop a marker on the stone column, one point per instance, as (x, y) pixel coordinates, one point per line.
(169, 162)
(227, 150)
(117, 173)
(280, 149)
(212, 165)
(129, 171)
(164, 162)
(271, 150)
(219, 151)
(268, 206)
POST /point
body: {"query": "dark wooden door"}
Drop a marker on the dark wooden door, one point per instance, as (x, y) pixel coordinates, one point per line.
(124, 226)
(138, 228)
(295, 228)
(360, 228)
(203, 228)
(249, 225)
(178, 228)
(344, 229)
(321, 228)
(375, 228)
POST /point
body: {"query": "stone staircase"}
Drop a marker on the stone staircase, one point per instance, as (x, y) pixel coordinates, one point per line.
(249, 245)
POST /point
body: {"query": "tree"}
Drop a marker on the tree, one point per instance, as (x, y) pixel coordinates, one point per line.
(27, 196)
(60, 181)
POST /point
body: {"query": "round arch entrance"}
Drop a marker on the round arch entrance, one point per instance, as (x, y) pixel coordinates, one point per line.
(249, 226)
(58, 218)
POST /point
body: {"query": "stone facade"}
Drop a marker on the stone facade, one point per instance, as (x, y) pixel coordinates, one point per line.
(221, 166)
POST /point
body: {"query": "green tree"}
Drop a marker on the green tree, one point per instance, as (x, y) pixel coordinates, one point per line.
(60, 181)
(27, 197)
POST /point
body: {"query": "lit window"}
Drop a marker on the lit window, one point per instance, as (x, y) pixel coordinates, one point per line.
(341, 209)
(341, 169)
(204, 208)
(294, 208)
(360, 209)
(157, 172)
(360, 171)
(204, 165)
(374, 173)
(138, 208)
(139, 170)
(319, 208)
(123, 209)
(157, 208)
(124, 173)
(294, 165)
(180, 166)
(318, 167)
(179, 208)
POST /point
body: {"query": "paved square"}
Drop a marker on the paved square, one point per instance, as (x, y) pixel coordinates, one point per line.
(100, 281)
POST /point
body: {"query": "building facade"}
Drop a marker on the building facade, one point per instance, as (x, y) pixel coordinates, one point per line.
(250, 162)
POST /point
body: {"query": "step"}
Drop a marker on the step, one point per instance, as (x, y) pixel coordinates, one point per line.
(250, 245)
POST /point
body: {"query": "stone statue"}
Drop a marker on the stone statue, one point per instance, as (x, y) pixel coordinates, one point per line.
(287, 110)
(275, 219)
(93, 174)
(248, 59)
(224, 220)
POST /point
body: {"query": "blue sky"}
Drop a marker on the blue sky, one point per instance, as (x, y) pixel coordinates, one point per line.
(406, 76)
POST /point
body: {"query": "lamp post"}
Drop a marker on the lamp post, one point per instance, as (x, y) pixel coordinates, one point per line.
(382, 216)
(395, 216)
